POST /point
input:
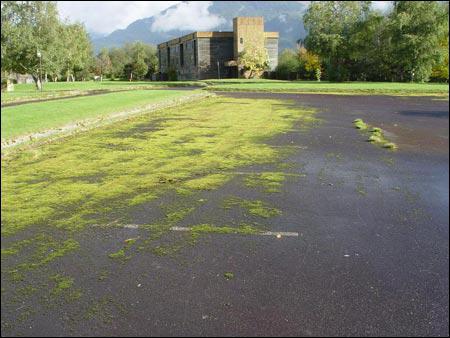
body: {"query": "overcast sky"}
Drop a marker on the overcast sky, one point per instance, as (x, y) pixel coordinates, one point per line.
(103, 17)
(106, 16)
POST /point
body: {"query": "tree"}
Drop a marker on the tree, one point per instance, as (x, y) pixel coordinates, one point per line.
(370, 49)
(357, 43)
(439, 71)
(309, 64)
(119, 58)
(417, 28)
(151, 59)
(139, 66)
(77, 50)
(288, 63)
(103, 64)
(29, 37)
(34, 41)
(253, 60)
(329, 25)
(135, 60)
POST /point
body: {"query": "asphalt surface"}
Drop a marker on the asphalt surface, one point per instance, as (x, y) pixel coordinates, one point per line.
(371, 258)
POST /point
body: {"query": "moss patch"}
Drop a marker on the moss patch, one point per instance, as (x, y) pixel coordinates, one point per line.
(133, 170)
(243, 229)
(360, 124)
(62, 283)
(208, 182)
(100, 176)
(270, 182)
(253, 207)
(390, 145)
(228, 275)
(376, 135)
(360, 189)
(121, 254)
(168, 249)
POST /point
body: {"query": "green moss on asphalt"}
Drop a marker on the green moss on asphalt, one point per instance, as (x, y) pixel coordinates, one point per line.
(103, 310)
(228, 275)
(360, 189)
(243, 229)
(376, 135)
(42, 181)
(100, 176)
(360, 124)
(208, 182)
(168, 249)
(103, 275)
(270, 182)
(15, 248)
(253, 207)
(62, 283)
(175, 216)
(26, 291)
(121, 253)
(390, 145)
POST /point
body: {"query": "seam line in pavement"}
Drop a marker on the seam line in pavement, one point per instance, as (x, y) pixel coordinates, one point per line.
(266, 233)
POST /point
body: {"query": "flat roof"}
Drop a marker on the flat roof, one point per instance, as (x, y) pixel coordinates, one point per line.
(195, 35)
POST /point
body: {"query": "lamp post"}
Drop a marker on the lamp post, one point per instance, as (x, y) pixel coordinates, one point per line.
(39, 55)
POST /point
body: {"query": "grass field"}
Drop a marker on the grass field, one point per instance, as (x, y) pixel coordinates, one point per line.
(24, 92)
(39, 116)
(382, 88)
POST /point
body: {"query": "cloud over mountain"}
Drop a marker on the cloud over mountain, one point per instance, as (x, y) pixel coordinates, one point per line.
(106, 16)
(192, 15)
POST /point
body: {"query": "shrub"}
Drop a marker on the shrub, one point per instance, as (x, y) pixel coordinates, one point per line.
(288, 63)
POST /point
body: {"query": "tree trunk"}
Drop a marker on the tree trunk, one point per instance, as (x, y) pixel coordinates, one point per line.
(37, 82)
(131, 76)
(101, 77)
(9, 85)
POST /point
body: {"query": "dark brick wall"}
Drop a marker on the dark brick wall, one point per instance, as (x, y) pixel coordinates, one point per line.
(187, 71)
(211, 50)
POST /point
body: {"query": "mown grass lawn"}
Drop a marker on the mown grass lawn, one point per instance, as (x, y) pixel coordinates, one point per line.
(24, 92)
(382, 88)
(40, 116)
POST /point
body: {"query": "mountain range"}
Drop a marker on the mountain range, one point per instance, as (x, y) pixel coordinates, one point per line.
(284, 17)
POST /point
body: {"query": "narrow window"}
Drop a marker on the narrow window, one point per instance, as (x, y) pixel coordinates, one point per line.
(195, 52)
(181, 55)
(168, 56)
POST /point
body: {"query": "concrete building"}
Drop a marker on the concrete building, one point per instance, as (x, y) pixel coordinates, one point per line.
(206, 55)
